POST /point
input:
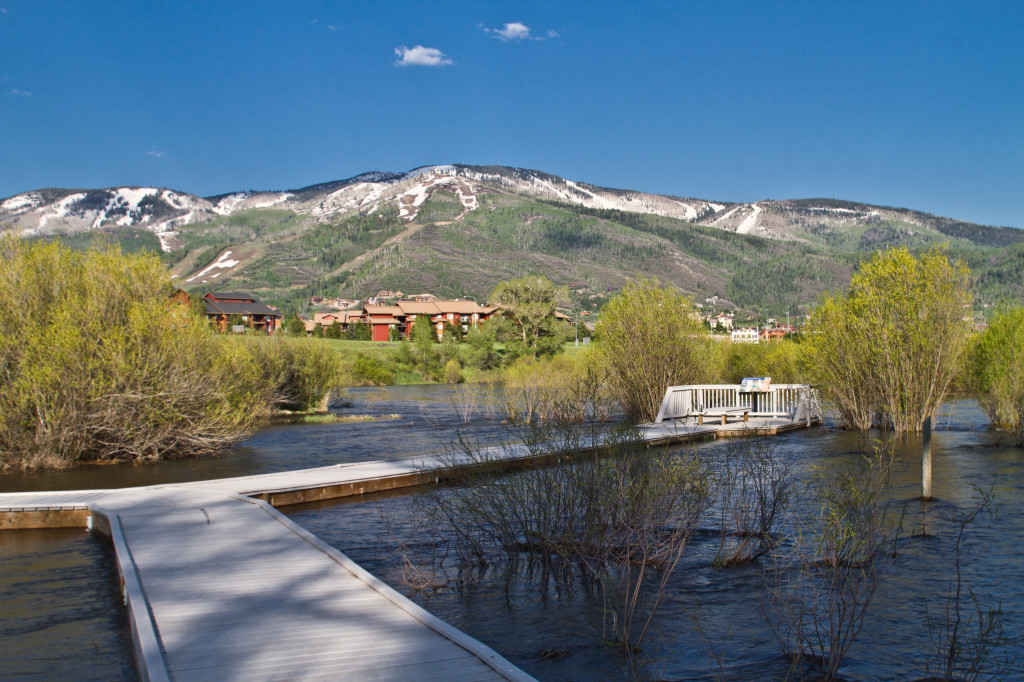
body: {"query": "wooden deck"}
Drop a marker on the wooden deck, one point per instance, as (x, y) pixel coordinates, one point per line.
(220, 585)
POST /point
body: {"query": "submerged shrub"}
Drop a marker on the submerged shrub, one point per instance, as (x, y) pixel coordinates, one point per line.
(301, 374)
(97, 363)
(649, 341)
(600, 511)
(887, 352)
(998, 363)
(560, 388)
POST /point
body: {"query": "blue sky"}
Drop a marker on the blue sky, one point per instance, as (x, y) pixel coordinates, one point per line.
(915, 104)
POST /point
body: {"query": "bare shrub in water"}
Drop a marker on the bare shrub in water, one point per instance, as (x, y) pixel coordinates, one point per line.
(560, 388)
(824, 578)
(753, 487)
(966, 643)
(562, 500)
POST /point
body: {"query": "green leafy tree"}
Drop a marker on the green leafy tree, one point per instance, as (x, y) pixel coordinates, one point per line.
(450, 338)
(998, 364)
(358, 331)
(424, 336)
(887, 351)
(648, 341)
(482, 354)
(334, 331)
(527, 323)
(318, 331)
(295, 326)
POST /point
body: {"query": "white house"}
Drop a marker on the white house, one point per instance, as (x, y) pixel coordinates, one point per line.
(745, 335)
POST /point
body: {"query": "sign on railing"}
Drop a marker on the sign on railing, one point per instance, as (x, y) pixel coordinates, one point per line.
(755, 384)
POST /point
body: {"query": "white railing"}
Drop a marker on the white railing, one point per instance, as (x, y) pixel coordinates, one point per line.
(793, 401)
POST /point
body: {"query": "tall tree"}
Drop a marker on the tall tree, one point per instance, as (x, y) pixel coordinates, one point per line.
(886, 352)
(649, 341)
(527, 323)
(424, 336)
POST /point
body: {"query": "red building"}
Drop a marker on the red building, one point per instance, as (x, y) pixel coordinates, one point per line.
(252, 313)
(401, 316)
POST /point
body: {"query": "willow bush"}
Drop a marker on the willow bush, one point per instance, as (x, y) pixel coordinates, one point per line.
(649, 341)
(887, 352)
(780, 360)
(561, 388)
(300, 374)
(97, 364)
(998, 371)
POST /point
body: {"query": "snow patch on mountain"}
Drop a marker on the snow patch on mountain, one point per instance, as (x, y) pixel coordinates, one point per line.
(747, 226)
(242, 201)
(222, 263)
(726, 216)
(412, 198)
(59, 209)
(21, 203)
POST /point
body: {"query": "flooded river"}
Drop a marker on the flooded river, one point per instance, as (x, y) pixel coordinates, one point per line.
(552, 634)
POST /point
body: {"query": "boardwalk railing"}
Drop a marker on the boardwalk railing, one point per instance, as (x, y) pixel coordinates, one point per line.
(798, 402)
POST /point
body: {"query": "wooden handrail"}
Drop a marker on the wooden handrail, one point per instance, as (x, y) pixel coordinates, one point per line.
(692, 400)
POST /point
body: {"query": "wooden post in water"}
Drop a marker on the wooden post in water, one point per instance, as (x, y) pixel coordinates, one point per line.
(926, 460)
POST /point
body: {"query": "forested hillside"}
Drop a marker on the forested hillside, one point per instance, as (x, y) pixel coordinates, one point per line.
(459, 230)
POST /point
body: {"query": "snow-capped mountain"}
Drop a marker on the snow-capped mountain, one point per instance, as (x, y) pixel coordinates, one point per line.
(164, 211)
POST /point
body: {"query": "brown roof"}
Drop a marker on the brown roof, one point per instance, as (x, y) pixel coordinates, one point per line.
(344, 317)
(460, 307)
(230, 296)
(418, 308)
(231, 308)
(382, 310)
(383, 319)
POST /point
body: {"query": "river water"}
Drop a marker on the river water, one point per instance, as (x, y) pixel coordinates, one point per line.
(552, 634)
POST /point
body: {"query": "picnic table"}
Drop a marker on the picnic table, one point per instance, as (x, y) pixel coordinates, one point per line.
(724, 413)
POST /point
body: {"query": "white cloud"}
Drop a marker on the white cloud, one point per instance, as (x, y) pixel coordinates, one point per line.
(512, 31)
(22, 93)
(517, 31)
(157, 154)
(332, 27)
(421, 56)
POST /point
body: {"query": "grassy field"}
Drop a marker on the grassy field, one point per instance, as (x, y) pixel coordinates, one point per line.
(384, 354)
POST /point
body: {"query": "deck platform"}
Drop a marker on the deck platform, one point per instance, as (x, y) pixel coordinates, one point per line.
(220, 585)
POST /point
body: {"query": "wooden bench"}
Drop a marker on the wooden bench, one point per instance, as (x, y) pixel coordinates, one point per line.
(724, 413)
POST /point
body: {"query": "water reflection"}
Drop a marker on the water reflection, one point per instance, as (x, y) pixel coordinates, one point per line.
(429, 418)
(61, 615)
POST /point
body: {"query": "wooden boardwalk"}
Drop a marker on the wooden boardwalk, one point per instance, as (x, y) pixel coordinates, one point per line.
(220, 585)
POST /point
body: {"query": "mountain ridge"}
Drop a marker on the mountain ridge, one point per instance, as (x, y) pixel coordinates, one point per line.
(456, 228)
